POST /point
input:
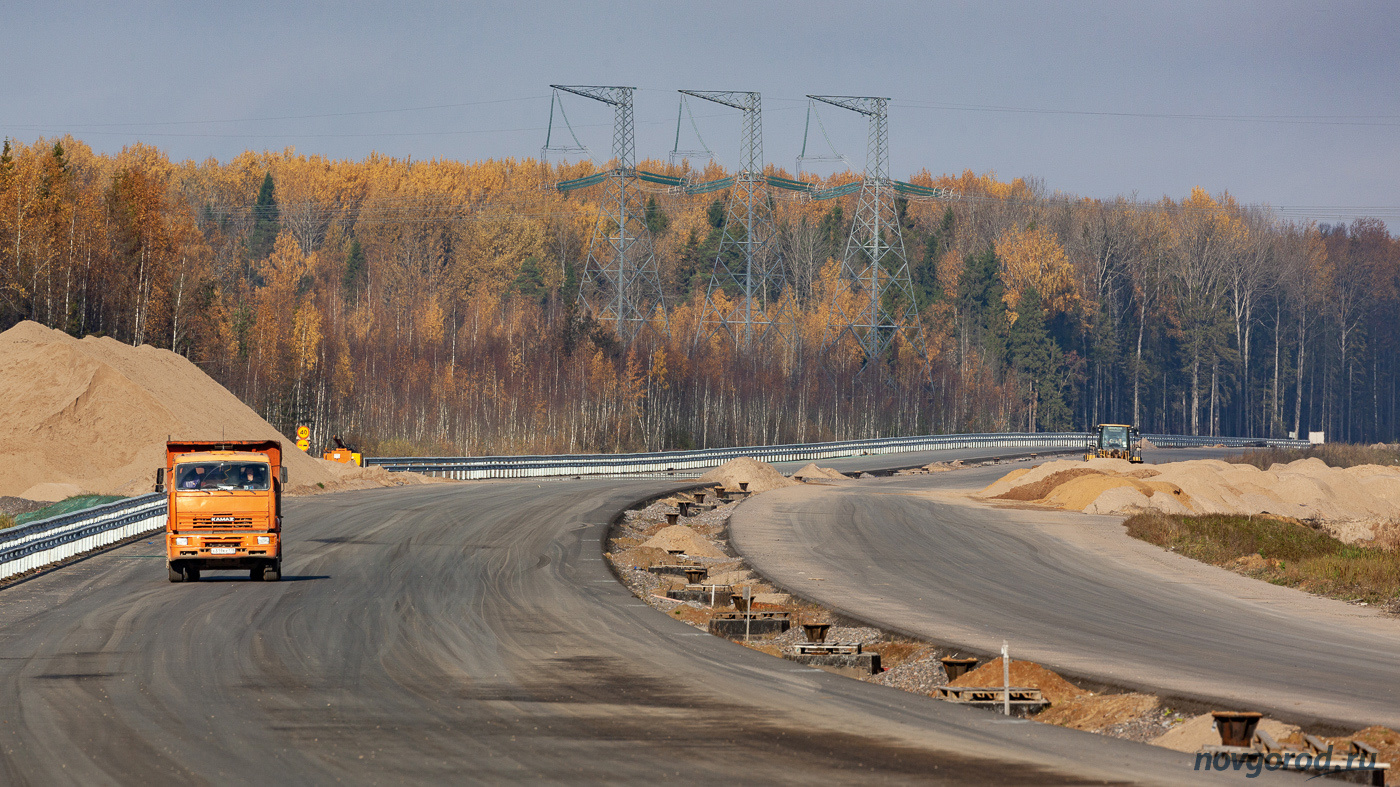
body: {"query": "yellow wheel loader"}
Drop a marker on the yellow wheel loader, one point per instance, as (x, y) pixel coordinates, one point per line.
(1115, 441)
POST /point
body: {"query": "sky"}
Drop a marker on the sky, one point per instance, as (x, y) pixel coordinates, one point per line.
(1284, 103)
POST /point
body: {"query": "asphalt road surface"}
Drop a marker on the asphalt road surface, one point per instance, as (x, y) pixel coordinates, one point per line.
(461, 633)
(1072, 591)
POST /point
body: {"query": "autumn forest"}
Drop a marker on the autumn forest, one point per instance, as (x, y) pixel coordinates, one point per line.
(430, 307)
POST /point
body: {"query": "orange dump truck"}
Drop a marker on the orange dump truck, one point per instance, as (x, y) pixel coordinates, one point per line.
(225, 507)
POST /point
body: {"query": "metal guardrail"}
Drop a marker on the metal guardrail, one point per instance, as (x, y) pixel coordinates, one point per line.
(1194, 441)
(47, 541)
(682, 463)
(50, 540)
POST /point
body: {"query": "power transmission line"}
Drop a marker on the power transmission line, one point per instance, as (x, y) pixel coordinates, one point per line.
(1308, 120)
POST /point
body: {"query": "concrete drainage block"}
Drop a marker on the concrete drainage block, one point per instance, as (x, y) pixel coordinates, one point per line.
(733, 625)
(845, 657)
(1024, 700)
(702, 594)
(674, 569)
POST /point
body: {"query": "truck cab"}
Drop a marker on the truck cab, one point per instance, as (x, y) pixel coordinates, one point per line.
(224, 508)
(1115, 441)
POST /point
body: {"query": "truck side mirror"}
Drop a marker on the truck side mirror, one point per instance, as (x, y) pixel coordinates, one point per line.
(282, 475)
(160, 479)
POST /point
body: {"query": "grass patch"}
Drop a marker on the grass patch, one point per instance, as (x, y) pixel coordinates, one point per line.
(1334, 454)
(1280, 552)
(6, 521)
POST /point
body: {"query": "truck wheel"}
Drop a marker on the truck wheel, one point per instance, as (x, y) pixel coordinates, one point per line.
(176, 575)
(272, 572)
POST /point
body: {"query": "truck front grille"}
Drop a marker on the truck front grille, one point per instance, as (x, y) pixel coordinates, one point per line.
(223, 521)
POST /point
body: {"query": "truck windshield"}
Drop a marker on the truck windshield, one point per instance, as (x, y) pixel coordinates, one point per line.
(1115, 437)
(252, 476)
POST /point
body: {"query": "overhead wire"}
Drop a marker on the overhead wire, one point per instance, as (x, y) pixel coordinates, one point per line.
(1328, 120)
(299, 117)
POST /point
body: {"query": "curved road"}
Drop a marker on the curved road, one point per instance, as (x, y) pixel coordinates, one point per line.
(460, 633)
(1074, 592)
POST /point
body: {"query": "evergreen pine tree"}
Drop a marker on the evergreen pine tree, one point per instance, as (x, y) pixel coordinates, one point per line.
(656, 219)
(354, 266)
(980, 304)
(266, 222)
(529, 282)
(1034, 354)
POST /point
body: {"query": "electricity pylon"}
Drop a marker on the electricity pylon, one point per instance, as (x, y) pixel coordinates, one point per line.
(749, 264)
(874, 263)
(621, 283)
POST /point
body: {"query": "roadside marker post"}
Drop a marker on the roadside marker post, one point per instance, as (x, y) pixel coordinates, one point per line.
(748, 613)
(1005, 679)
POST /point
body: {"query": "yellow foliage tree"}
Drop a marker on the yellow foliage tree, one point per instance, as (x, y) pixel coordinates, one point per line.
(1034, 258)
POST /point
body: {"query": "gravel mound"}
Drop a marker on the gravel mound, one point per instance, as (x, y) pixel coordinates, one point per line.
(1095, 713)
(1025, 674)
(14, 506)
(642, 557)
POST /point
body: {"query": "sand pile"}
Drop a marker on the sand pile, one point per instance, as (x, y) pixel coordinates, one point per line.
(681, 537)
(348, 477)
(93, 415)
(943, 467)
(642, 557)
(760, 476)
(1192, 734)
(812, 471)
(1095, 713)
(1023, 674)
(1304, 489)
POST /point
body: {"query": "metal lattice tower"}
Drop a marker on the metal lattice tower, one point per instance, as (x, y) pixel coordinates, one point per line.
(874, 262)
(748, 264)
(621, 281)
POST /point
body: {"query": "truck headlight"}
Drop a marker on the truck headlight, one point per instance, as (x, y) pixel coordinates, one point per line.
(181, 541)
(264, 539)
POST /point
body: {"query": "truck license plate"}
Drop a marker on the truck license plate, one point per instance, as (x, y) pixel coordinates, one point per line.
(223, 551)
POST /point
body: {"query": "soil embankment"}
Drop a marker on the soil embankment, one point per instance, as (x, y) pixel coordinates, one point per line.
(91, 416)
(1351, 503)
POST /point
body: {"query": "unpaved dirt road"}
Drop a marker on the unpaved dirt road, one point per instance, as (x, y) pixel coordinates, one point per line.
(461, 633)
(1073, 592)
